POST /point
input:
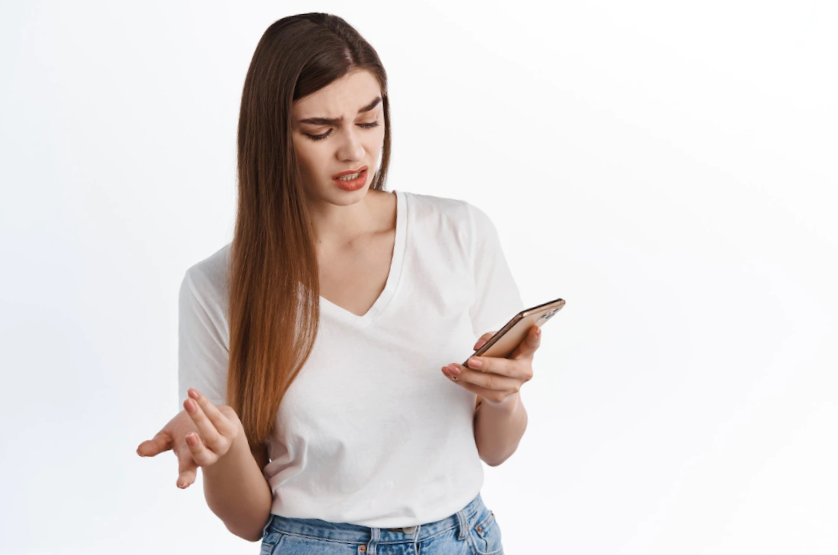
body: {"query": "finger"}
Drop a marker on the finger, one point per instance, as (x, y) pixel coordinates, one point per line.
(220, 423)
(159, 443)
(486, 380)
(206, 429)
(200, 454)
(497, 365)
(187, 469)
(528, 345)
(492, 395)
(198, 410)
(483, 339)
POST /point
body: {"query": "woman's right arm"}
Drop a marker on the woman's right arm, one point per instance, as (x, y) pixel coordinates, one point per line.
(234, 486)
(237, 491)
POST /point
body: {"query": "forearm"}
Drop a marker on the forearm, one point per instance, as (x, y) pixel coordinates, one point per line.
(498, 430)
(237, 491)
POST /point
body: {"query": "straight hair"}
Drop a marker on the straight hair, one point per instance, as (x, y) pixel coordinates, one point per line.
(274, 304)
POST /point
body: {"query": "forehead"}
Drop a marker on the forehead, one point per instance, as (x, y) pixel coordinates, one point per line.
(342, 97)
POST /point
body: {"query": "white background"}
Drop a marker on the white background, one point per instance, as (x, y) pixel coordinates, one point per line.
(668, 168)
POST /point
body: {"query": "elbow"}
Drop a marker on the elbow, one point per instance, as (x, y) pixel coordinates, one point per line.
(493, 461)
(498, 460)
(249, 535)
(251, 532)
(253, 539)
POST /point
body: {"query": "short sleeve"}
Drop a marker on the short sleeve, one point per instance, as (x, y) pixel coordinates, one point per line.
(203, 354)
(497, 298)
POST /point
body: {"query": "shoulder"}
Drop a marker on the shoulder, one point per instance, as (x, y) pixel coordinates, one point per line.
(438, 209)
(466, 219)
(209, 278)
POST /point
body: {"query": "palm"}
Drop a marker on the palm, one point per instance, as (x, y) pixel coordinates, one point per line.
(173, 436)
(198, 436)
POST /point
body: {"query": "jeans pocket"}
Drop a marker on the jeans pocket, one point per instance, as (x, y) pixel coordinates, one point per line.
(486, 536)
(270, 541)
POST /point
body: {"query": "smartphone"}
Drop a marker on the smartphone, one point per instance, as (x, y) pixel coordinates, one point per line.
(507, 339)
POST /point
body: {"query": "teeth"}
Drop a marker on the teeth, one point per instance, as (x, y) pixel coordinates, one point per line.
(350, 177)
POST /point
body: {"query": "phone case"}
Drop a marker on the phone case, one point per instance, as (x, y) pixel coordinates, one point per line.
(507, 339)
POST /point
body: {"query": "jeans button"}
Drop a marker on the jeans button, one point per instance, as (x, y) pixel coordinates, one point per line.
(409, 529)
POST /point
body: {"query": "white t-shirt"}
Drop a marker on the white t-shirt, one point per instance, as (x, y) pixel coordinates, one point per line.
(371, 432)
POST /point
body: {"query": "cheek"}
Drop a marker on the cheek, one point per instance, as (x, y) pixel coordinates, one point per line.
(307, 155)
(376, 140)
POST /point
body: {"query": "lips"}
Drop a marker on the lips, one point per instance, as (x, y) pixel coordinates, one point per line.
(349, 172)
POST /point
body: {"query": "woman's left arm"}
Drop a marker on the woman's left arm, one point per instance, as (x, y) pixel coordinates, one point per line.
(500, 419)
(498, 430)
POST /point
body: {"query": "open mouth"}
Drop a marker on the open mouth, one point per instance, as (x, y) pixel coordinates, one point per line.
(352, 176)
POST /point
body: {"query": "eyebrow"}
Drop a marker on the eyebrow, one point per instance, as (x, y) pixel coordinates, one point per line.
(335, 121)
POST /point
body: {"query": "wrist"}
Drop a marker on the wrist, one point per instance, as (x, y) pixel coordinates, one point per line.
(508, 405)
(237, 453)
(240, 444)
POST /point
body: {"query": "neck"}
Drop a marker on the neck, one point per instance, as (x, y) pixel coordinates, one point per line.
(338, 226)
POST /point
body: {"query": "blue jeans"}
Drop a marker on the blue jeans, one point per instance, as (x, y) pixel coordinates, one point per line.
(472, 530)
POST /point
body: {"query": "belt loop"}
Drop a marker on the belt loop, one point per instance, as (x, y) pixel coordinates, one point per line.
(416, 538)
(461, 517)
(372, 546)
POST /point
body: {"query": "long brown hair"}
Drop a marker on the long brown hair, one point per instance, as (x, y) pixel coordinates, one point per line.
(274, 307)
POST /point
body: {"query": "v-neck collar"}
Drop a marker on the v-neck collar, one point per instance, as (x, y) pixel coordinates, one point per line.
(392, 277)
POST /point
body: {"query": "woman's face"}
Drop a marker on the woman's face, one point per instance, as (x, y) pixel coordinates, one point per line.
(353, 139)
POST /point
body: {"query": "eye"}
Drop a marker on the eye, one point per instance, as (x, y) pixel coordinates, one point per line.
(324, 135)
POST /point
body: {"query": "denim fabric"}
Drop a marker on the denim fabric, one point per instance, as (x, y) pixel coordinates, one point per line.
(472, 530)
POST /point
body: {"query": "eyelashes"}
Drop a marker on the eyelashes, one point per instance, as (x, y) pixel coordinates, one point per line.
(324, 135)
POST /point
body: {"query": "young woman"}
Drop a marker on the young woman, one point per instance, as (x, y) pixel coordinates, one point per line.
(310, 347)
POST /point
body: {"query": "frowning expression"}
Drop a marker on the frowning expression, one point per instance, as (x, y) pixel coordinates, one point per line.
(337, 129)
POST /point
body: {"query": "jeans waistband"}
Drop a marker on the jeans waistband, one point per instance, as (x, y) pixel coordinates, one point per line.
(355, 533)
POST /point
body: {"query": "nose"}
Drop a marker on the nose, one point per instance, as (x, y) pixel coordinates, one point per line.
(351, 147)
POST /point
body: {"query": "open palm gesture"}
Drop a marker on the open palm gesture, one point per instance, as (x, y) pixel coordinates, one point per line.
(199, 436)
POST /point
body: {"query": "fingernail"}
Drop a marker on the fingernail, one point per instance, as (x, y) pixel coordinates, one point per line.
(474, 362)
(454, 370)
(538, 332)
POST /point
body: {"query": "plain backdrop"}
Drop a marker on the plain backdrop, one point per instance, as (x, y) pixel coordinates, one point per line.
(668, 168)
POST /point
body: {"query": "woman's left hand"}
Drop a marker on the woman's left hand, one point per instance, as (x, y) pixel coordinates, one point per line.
(497, 380)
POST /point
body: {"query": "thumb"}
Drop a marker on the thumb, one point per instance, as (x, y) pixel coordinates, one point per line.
(159, 443)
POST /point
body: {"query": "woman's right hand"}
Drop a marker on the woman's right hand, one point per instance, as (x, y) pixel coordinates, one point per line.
(199, 436)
